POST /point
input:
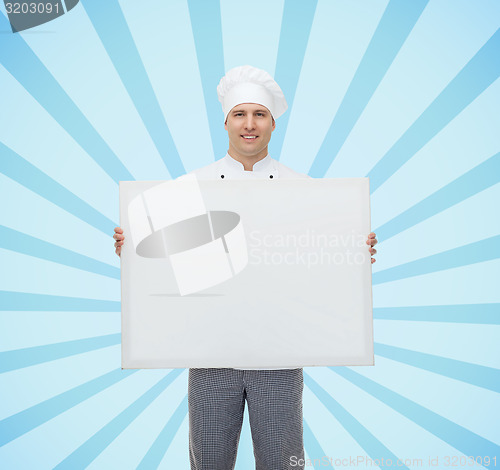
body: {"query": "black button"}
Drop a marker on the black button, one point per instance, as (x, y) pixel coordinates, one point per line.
(271, 176)
(222, 176)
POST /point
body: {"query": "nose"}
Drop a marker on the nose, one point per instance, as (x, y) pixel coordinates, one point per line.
(249, 124)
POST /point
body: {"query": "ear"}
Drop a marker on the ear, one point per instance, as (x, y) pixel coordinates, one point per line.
(225, 125)
(274, 124)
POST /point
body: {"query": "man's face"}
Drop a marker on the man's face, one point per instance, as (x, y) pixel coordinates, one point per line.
(249, 127)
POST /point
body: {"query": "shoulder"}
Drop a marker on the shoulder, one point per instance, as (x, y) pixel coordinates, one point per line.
(286, 172)
(207, 172)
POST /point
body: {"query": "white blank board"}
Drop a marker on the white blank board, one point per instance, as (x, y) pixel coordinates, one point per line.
(246, 273)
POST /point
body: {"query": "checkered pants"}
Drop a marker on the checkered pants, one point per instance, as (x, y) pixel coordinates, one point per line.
(216, 404)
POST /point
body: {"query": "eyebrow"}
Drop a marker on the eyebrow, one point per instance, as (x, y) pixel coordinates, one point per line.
(255, 111)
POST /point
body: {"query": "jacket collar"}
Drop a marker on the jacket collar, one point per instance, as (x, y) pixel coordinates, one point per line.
(262, 165)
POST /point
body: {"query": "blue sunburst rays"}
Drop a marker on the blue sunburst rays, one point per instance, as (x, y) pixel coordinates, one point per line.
(27, 301)
(159, 433)
(22, 243)
(26, 67)
(329, 437)
(486, 313)
(42, 223)
(93, 446)
(472, 182)
(455, 260)
(53, 327)
(37, 202)
(465, 228)
(27, 274)
(475, 283)
(455, 400)
(26, 174)
(207, 32)
(467, 222)
(441, 44)
(393, 29)
(178, 451)
(251, 38)
(462, 439)
(112, 29)
(24, 421)
(337, 41)
(312, 446)
(26, 387)
(105, 414)
(174, 74)
(476, 252)
(465, 343)
(157, 451)
(28, 130)
(446, 298)
(373, 447)
(475, 374)
(93, 85)
(296, 26)
(391, 428)
(449, 160)
(25, 357)
(479, 73)
(36, 211)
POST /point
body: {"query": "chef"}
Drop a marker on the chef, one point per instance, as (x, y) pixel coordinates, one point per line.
(251, 102)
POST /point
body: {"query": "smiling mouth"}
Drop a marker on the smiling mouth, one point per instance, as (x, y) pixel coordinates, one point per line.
(249, 137)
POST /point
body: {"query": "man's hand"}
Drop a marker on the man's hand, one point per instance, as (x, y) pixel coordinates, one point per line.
(372, 240)
(118, 236)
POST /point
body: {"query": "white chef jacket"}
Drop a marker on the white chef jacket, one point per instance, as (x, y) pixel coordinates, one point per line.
(228, 167)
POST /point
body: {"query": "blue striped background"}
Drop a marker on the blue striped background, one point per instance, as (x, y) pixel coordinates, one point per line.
(405, 92)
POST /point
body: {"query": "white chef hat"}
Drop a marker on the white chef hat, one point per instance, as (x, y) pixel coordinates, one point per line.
(247, 84)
